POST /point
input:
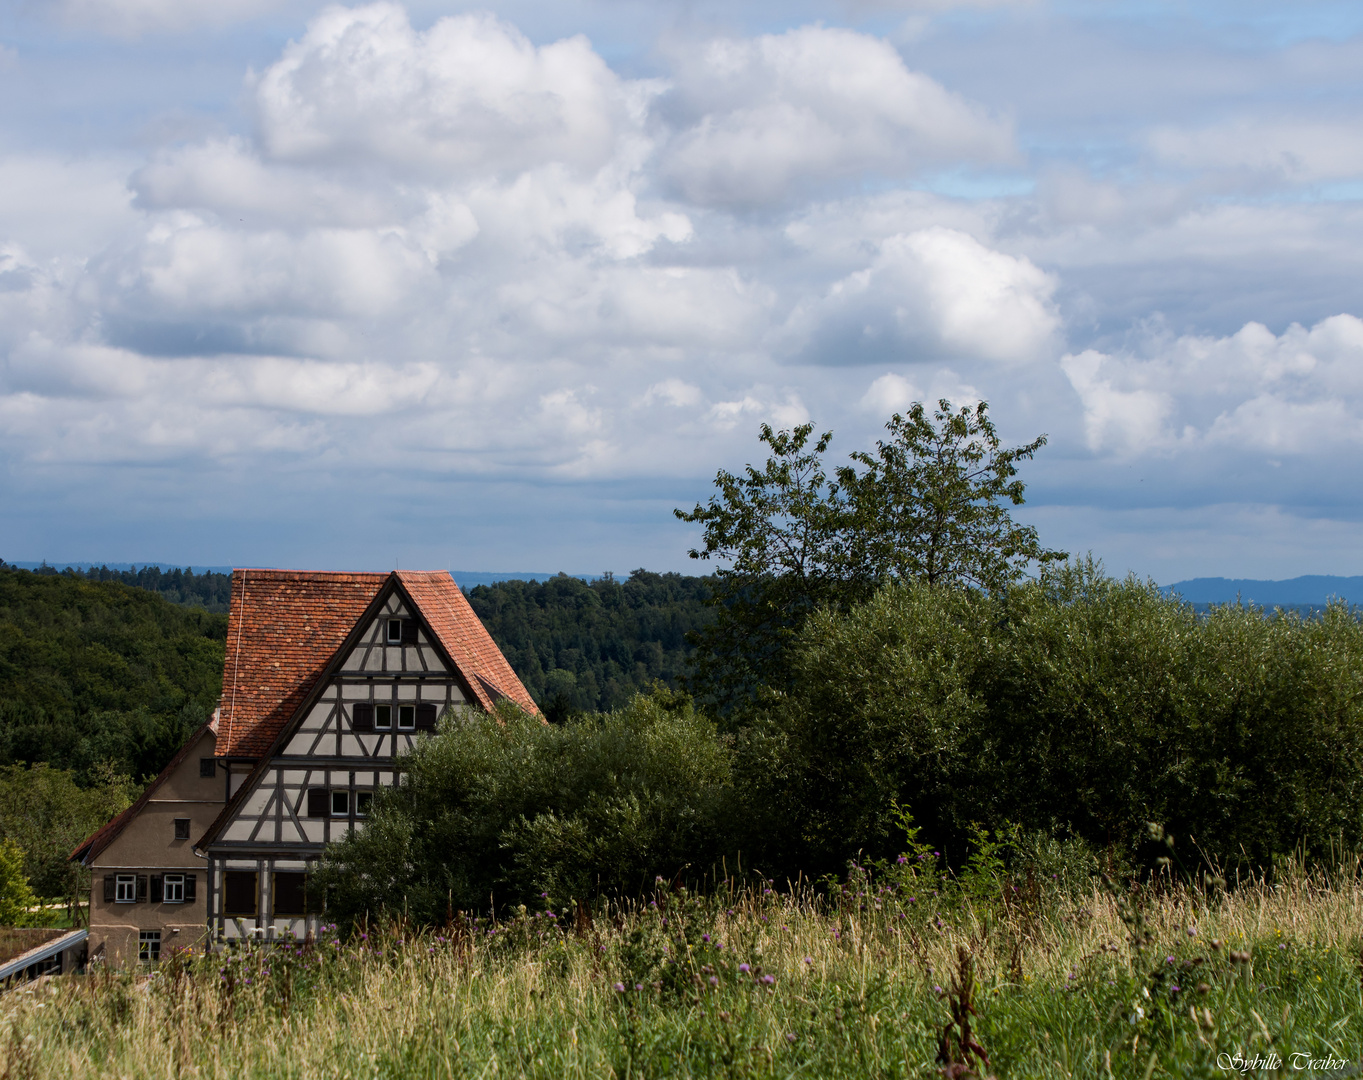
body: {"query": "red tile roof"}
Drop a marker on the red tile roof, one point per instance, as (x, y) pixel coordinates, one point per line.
(470, 646)
(285, 626)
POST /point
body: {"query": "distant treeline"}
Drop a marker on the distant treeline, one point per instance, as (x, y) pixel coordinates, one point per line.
(207, 590)
(97, 665)
(584, 647)
(98, 674)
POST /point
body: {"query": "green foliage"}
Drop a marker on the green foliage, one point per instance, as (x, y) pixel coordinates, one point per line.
(589, 647)
(209, 590)
(781, 534)
(506, 808)
(15, 895)
(94, 672)
(928, 506)
(47, 814)
(1075, 705)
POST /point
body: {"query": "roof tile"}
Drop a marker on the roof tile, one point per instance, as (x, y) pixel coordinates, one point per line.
(285, 626)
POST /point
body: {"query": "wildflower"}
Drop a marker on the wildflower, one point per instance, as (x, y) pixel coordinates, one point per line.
(902, 860)
(790, 1036)
(619, 988)
(768, 980)
(705, 938)
(744, 968)
(809, 959)
(714, 980)
(1168, 959)
(1192, 931)
(638, 986)
(936, 989)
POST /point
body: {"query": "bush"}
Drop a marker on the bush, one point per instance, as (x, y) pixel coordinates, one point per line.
(501, 809)
(1076, 705)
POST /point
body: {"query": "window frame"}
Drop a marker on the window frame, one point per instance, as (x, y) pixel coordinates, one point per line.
(182, 827)
(276, 891)
(384, 710)
(364, 801)
(404, 711)
(125, 888)
(236, 877)
(149, 946)
(208, 768)
(388, 638)
(344, 794)
(173, 883)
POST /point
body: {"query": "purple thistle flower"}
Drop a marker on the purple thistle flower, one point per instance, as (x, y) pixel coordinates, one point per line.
(744, 968)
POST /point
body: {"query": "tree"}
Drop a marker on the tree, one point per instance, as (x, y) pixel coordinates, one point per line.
(15, 896)
(931, 503)
(782, 530)
(928, 506)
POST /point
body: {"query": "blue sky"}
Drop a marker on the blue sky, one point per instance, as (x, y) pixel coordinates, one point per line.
(498, 286)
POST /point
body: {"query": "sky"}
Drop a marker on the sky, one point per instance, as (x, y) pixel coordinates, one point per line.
(497, 287)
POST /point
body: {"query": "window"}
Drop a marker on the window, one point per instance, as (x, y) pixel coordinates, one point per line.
(174, 889)
(182, 828)
(362, 717)
(319, 802)
(363, 801)
(340, 802)
(402, 632)
(149, 945)
(426, 716)
(208, 768)
(239, 893)
(383, 717)
(125, 889)
(290, 893)
(406, 717)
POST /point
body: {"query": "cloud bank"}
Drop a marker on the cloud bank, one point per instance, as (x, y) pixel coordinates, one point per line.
(462, 252)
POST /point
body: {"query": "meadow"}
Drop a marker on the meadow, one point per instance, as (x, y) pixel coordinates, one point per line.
(877, 977)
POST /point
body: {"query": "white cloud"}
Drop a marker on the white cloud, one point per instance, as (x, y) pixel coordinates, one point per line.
(469, 94)
(133, 18)
(1295, 149)
(929, 293)
(1295, 393)
(815, 103)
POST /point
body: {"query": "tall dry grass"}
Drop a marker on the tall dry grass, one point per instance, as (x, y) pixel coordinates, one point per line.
(746, 983)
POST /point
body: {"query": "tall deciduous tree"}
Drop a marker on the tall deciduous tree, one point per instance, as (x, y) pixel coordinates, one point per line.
(781, 534)
(931, 504)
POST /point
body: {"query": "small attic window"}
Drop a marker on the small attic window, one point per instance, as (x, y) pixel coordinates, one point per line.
(401, 632)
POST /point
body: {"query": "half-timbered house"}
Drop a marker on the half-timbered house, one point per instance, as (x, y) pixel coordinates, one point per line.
(329, 679)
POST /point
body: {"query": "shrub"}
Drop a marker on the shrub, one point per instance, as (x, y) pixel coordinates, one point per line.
(501, 809)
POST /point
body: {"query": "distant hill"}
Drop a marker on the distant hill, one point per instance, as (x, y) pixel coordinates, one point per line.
(93, 672)
(210, 586)
(1310, 591)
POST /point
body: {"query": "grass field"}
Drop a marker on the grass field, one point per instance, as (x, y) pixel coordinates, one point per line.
(1089, 983)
